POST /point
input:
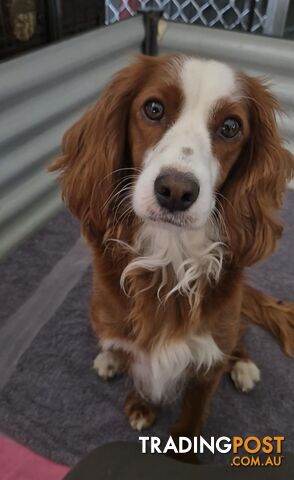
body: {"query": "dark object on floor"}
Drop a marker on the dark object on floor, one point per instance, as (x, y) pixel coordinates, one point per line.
(124, 461)
(55, 404)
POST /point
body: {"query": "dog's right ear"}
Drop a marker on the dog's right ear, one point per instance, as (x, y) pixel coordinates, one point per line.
(94, 149)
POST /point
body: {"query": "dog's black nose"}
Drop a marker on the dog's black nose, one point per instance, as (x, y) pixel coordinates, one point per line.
(176, 191)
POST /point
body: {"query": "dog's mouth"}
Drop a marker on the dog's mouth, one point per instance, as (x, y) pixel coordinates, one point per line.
(179, 219)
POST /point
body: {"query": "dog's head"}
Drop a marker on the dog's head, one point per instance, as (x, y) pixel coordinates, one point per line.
(177, 141)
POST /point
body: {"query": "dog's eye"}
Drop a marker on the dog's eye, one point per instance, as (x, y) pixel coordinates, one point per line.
(154, 110)
(229, 128)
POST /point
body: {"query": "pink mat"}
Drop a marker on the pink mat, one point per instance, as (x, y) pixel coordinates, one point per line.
(20, 463)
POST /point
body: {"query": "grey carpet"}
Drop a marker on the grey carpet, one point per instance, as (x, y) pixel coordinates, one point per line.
(22, 327)
(22, 271)
(54, 403)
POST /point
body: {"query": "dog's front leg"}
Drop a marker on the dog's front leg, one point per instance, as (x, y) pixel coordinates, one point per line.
(141, 413)
(110, 363)
(195, 402)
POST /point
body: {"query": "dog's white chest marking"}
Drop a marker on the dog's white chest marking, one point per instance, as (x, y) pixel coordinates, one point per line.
(159, 375)
(191, 254)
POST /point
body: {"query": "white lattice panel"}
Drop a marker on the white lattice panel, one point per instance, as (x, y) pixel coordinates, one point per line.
(228, 14)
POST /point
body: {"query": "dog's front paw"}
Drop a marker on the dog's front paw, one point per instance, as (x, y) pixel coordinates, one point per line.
(140, 414)
(108, 364)
(245, 375)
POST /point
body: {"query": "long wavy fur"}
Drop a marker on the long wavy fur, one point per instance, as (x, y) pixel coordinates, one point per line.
(95, 158)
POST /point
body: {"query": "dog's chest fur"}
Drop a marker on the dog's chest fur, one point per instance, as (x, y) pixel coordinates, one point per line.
(160, 372)
(193, 256)
(159, 375)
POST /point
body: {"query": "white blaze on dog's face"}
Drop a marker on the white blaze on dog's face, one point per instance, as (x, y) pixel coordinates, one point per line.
(187, 127)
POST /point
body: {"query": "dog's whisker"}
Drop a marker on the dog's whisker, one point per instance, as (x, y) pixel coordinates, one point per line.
(124, 217)
(218, 222)
(120, 170)
(125, 180)
(118, 220)
(117, 194)
(218, 194)
(125, 199)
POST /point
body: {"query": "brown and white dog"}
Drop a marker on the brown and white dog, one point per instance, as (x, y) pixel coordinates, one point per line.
(176, 175)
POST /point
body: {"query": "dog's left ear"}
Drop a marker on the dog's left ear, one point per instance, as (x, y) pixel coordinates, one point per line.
(255, 187)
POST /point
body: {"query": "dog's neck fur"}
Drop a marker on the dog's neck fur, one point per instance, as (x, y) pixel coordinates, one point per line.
(192, 255)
